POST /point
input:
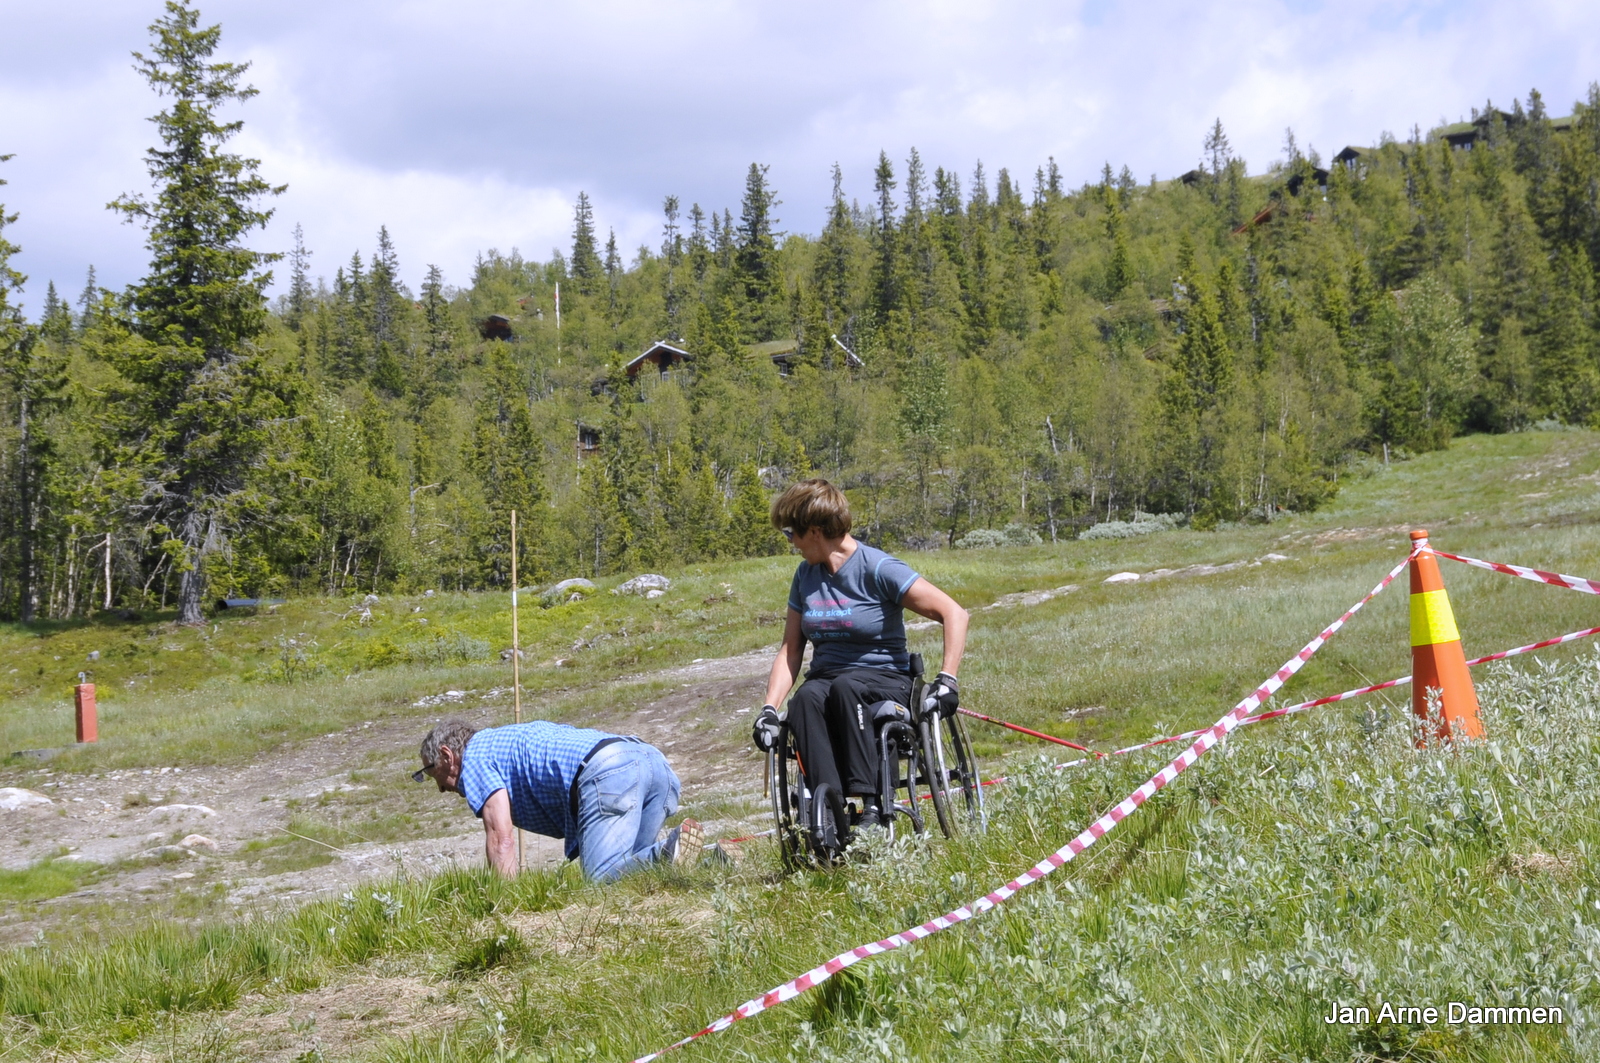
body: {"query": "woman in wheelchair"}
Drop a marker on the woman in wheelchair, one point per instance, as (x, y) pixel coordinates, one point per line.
(848, 599)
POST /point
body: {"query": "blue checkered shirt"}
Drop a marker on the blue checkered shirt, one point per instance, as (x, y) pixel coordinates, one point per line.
(535, 763)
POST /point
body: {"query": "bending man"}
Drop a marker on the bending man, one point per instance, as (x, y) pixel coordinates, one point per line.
(848, 599)
(606, 795)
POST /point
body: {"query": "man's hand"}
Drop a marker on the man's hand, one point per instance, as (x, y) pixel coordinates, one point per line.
(767, 727)
(943, 695)
(500, 835)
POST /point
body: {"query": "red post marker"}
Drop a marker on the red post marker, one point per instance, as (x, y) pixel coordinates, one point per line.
(88, 720)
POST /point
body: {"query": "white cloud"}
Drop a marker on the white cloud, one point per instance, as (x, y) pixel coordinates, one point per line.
(473, 124)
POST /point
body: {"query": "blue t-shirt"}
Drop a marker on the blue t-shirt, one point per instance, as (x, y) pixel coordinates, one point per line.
(853, 616)
(535, 763)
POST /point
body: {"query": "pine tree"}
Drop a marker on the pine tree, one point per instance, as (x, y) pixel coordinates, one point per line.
(197, 411)
(586, 265)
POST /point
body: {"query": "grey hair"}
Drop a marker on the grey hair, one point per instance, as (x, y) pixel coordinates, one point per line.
(451, 734)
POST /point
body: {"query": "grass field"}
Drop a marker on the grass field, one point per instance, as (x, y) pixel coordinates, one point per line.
(1316, 861)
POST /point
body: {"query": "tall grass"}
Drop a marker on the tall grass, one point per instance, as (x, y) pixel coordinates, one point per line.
(1318, 861)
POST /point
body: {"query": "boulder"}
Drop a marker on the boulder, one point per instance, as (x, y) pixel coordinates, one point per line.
(649, 585)
(170, 813)
(567, 590)
(198, 841)
(14, 798)
(1122, 577)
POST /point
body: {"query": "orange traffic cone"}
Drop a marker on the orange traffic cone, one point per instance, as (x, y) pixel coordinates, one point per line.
(1437, 661)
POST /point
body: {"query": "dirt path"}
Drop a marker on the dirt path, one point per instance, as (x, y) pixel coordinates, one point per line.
(191, 839)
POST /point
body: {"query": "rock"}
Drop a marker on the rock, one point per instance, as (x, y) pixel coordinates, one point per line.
(14, 798)
(371, 599)
(198, 841)
(508, 653)
(168, 813)
(1275, 557)
(427, 594)
(74, 858)
(644, 584)
(1006, 601)
(567, 590)
(180, 876)
(94, 655)
(1122, 577)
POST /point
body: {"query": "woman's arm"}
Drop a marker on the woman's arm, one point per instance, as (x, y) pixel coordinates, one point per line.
(787, 664)
(924, 599)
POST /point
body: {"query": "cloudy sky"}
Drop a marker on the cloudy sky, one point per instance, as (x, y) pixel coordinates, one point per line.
(473, 124)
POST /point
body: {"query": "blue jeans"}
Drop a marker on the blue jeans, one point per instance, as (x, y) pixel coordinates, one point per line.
(625, 794)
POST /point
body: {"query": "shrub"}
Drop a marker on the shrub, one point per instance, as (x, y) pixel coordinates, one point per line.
(1141, 524)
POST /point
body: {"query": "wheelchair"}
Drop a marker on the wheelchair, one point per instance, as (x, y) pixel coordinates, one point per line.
(921, 756)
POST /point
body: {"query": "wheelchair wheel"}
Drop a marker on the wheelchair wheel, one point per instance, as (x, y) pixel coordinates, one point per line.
(804, 820)
(952, 773)
(785, 798)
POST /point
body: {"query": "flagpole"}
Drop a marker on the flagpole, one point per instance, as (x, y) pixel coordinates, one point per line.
(516, 664)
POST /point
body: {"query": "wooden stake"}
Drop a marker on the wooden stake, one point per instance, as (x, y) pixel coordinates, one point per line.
(516, 665)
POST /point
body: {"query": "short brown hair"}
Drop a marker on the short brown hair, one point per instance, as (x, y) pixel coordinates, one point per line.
(813, 504)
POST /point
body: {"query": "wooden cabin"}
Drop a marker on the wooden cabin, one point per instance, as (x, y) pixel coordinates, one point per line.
(660, 354)
(496, 327)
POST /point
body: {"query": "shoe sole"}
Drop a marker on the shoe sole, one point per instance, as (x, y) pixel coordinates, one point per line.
(691, 837)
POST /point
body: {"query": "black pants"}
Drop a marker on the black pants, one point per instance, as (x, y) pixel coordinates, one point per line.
(831, 719)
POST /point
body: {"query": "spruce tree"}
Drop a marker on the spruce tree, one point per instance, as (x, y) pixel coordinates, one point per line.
(20, 376)
(89, 302)
(300, 292)
(55, 320)
(756, 256)
(886, 267)
(586, 265)
(200, 402)
(672, 259)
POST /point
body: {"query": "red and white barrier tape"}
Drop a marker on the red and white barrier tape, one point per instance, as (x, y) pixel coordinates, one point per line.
(1555, 579)
(1027, 731)
(1093, 833)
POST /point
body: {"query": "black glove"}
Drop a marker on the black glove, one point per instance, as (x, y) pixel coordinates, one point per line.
(943, 695)
(765, 732)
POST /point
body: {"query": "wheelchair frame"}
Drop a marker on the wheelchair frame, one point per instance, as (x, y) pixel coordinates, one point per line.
(919, 754)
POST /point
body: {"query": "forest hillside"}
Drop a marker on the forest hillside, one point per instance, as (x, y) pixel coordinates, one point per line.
(978, 358)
